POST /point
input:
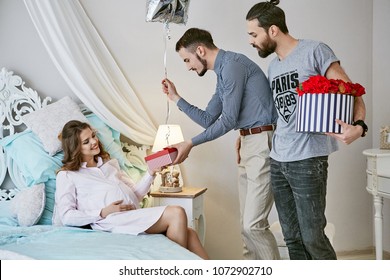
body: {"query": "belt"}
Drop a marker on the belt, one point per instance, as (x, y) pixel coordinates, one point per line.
(255, 130)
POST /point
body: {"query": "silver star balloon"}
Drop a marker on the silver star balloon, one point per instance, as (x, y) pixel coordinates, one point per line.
(167, 11)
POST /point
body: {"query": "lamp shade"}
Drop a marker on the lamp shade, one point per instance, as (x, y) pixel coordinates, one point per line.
(167, 134)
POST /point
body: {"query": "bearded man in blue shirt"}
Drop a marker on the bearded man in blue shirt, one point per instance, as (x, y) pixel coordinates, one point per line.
(242, 101)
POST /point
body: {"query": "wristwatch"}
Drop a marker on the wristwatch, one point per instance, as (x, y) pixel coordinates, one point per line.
(362, 124)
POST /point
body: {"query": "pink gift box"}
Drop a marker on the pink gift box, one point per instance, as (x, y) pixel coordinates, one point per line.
(161, 158)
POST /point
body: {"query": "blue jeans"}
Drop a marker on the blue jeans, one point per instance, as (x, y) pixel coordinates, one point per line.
(299, 189)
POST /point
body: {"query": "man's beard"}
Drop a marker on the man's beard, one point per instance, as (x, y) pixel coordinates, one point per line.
(204, 63)
(270, 47)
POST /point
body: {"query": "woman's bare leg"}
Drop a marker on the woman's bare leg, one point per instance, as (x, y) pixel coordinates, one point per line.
(173, 222)
(194, 244)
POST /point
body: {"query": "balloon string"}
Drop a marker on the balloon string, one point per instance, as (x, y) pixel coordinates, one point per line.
(166, 38)
(167, 135)
(167, 140)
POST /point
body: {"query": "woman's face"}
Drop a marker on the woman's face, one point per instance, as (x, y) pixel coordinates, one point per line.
(89, 144)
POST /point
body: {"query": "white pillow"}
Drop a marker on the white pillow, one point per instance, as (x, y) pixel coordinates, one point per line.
(28, 205)
(48, 122)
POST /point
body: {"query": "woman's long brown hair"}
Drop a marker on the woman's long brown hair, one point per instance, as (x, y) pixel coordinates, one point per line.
(71, 145)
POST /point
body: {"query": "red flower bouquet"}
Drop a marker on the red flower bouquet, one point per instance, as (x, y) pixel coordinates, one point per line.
(320, 84)
(321, 101)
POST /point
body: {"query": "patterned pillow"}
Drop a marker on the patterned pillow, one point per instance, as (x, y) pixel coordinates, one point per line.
(28, 205)
(48, 122)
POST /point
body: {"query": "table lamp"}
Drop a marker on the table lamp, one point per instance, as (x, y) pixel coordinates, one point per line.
(168, 134)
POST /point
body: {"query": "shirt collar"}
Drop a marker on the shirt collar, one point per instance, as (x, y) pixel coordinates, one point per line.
(218, 61)
(99, 163)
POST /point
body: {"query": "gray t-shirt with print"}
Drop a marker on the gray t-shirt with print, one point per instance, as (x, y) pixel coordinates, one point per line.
(309, 58)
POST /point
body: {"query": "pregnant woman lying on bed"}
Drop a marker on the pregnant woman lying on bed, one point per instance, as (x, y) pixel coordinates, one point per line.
(92, 190)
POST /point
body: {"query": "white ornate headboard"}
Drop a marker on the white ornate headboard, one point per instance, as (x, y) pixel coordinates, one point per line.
(15, 100)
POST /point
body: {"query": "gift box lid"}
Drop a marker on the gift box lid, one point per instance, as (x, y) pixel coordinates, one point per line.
(163, 152)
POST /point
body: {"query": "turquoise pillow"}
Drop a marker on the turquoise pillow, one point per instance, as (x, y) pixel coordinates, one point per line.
(47, 215)
(6, 216)
(35, 164)
(27, 151)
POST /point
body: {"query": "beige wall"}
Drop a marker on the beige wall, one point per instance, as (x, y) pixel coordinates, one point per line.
(138, 47)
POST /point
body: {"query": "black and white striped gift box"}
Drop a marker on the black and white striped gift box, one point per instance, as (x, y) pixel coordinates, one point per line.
(317, 112)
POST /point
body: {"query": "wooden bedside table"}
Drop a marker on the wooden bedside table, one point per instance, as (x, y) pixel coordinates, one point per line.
(191, 199)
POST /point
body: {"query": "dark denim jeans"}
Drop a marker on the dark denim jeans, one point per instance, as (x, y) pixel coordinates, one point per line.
(299, 189)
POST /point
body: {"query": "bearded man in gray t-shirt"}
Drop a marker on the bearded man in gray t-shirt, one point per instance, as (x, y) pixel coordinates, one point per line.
(299, 161)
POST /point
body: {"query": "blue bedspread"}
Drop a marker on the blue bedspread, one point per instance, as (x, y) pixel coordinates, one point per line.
(67, 243)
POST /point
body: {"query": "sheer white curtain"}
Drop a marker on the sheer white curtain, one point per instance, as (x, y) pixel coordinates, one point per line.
(86, 64)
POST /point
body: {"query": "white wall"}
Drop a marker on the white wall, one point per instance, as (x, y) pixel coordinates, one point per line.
(380, 90)
(138, 47)
(22, 51)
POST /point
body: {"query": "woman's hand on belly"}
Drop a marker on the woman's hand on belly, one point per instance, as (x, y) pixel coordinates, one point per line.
(116, 206)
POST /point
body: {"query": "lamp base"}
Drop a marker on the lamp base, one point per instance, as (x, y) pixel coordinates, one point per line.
(170, 189)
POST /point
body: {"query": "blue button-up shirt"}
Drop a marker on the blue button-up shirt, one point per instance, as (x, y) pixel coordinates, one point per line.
(242, 99)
